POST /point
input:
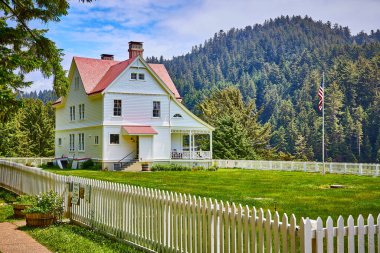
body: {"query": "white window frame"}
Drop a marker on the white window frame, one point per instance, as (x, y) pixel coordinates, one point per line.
(143, 76)
(96, 140)
(114, 143)
(81, 142)
(72, 142)
(134, 73)
(81, 111)
(159, 109)
(121, 108)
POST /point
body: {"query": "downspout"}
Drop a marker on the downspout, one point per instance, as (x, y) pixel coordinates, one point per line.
(170, 129)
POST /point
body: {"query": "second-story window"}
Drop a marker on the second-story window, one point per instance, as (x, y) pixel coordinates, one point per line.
(96, 140)
(72, 113)
(156, 109)
(117, 107)
(81, 111)
(141, 76)
(134, 76)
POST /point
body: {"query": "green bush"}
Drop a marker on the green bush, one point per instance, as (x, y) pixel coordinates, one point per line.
(26, 200)
(87, 164)
(48, 202)
(178, 167)
(91, 165)
(170, 167)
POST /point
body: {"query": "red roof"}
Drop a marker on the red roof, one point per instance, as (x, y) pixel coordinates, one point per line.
(136, 130)
(97, 74)
(161, 71)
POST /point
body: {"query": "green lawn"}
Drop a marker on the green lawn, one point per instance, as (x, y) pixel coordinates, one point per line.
(6, 210)
(304, 194)
(73, 239)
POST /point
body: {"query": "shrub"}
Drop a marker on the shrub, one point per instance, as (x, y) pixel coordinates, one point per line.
(178, 167)
(48, 202)
(169, 167)
(91, 165)
(87, 164)
(25, 200)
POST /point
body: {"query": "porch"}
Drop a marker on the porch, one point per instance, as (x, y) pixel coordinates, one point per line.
(189, 144)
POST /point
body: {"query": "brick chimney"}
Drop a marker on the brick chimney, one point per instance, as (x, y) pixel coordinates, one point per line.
(135, 49)
(106, 57)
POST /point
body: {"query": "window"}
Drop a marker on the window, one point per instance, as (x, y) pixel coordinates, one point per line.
(72, 113)
(72, 142)
(156, 109)
(81, 141)
(177, 115)
(117, 107)
(141, 76)
(76, 82)
(96, 140)
(134, 76)
(114, 139)
(81, 111)
(59, 141)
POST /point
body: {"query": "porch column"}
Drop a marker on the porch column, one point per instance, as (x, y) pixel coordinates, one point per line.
(210, 145)
(193, 146)
(190, 145)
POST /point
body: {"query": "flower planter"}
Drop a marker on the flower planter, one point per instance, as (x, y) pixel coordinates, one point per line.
(39, 219)
(18, 208)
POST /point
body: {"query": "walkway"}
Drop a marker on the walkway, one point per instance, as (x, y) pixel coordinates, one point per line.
(13, 240)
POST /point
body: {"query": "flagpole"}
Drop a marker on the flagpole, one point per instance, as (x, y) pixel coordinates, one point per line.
(323, 123)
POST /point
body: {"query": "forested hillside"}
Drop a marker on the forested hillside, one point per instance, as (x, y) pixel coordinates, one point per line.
(279, 65)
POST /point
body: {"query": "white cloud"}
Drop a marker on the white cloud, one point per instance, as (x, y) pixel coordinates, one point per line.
(172, 27)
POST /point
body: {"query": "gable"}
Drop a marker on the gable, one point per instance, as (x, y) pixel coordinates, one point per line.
(124, 84)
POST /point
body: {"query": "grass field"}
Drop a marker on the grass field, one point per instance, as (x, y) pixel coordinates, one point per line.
(304, 194)
(73, 239)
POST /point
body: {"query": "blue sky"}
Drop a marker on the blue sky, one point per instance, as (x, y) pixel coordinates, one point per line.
(172, 27)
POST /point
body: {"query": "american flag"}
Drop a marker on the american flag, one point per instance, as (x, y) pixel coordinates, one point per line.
(321, 97)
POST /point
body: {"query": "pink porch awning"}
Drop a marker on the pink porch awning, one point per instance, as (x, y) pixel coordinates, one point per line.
(139, 130)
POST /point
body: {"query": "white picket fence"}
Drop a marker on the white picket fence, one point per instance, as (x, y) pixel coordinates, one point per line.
(35, 161)
(336, 168)
(165, 221)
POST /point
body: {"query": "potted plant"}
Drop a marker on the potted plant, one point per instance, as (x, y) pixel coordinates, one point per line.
(47, 209)
(22, 202)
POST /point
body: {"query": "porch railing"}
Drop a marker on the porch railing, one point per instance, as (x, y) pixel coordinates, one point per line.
(189, 155)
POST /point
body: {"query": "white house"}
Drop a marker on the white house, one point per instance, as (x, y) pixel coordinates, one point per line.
(127, 112)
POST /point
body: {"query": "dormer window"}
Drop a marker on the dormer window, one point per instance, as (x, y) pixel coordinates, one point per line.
(141, 76)
(177, 115)
(133, 76)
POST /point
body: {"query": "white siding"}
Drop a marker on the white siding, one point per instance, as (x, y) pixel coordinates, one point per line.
(93, 112)
(176, 141)
(162, 143)
(146, 148)
(91, 150)
(124, 84)
(186, 120)
(115, 152)
(137, 109)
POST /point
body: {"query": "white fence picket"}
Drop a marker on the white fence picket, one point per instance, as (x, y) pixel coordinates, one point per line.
(330, 235)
